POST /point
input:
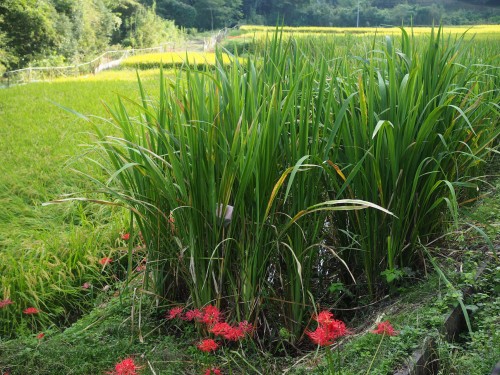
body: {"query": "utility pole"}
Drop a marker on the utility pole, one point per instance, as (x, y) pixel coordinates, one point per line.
(357, 18)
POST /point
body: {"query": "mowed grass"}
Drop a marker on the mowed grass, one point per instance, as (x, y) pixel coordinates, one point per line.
(47, 253)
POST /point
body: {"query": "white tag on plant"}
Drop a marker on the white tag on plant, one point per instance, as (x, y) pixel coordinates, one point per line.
(224, 212)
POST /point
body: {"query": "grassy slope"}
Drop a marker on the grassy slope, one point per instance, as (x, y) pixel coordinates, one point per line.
(48, 252)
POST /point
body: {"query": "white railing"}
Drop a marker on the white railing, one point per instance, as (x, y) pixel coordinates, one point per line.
(107, 60)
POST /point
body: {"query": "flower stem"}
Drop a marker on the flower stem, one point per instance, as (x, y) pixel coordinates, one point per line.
(331, 364)
(375, 355)
(338, 357)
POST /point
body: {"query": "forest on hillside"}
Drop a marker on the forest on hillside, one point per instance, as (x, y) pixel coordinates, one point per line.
(53, 32)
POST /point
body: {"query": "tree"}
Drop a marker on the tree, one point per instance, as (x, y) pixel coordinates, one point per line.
(95, 26)
(28, 30)
(5, 56)
(183, 14)
(212, 14)
(140, 26)
(151, 30)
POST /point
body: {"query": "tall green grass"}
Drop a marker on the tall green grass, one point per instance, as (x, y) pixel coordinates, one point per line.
(248, 138)
(422, 119)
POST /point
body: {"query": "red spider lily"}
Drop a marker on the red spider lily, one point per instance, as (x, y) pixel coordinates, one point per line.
(140, 268)
(31, 311)
(320, 336)
(125, 236)
(228, 332)
(246, 327)
(5, 302)
(105, 261)
(385, 328)
(221, 329)
(324, 317)
(195, 314)
(216, 371)
(40, 335)
(86, 285)
(211, 315)
(176, 312)
(171, 222)
(336, 328)
(329, 329)
(207, 345)
(125, 367)
(234, 334)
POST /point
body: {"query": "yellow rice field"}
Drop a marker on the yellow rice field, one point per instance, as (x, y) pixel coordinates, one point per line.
(476, 29)
(489, 32)
(172, 59)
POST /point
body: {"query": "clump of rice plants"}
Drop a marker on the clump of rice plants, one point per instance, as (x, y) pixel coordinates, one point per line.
(244, 179)
(421, 121)
(219, 173)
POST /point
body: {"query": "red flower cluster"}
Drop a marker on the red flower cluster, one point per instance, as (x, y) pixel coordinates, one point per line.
(245, 326)
(176, 312)
(105, 261)
(228, 332)
(125, 237)
(5, 302)
(215, 371)
(31, 311)
(195, 315)
(125, 367)
(211, 315)
(40, 335)
(328, 330)
(385, 328)
(207, 345)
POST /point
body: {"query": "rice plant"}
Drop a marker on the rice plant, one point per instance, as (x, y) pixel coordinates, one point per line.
(421, 122)
(236, 174)
(220, 171)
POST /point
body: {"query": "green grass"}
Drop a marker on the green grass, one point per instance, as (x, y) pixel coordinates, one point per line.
(93, 345)
(318, 121)
(47, 253)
